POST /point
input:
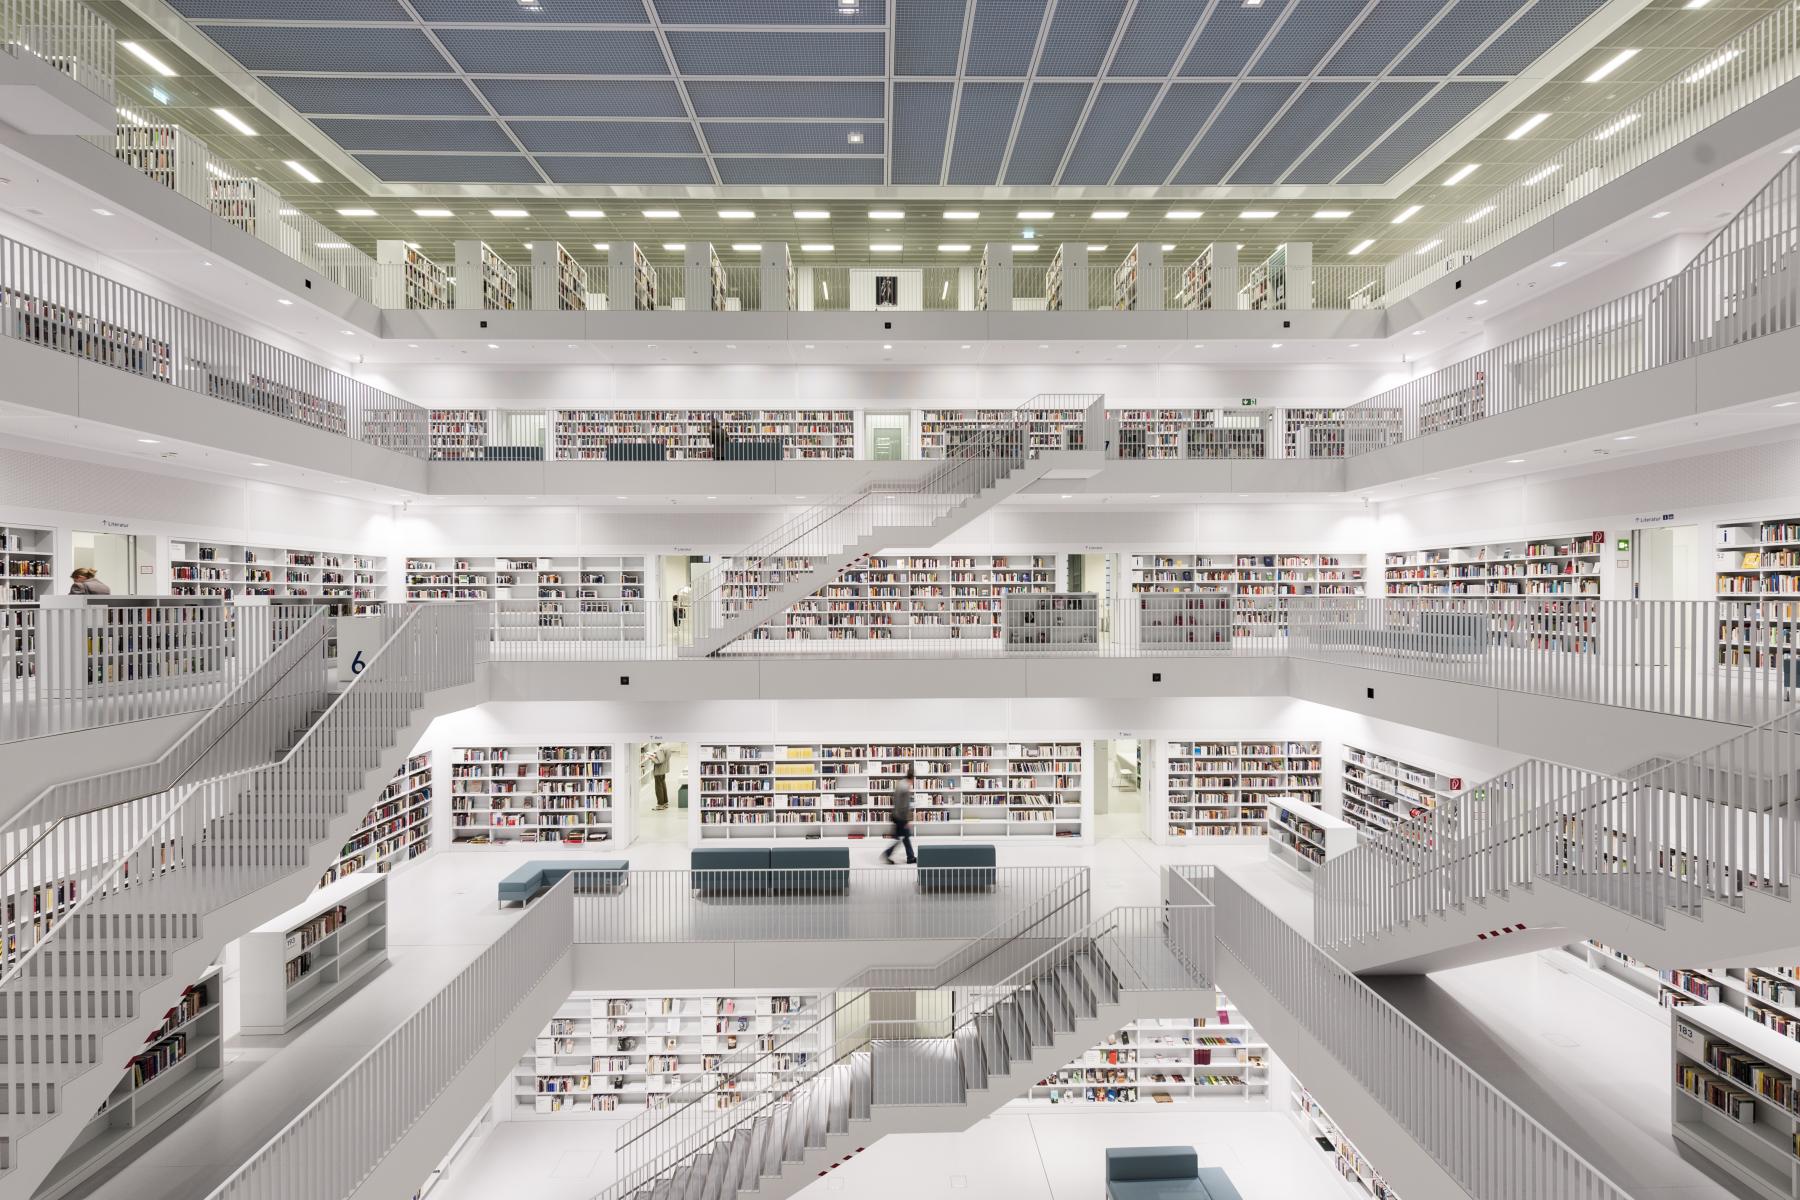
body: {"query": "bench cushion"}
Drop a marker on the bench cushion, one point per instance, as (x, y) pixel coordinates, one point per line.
(809, 870)
(1126, 1163)
(1157, 1189)
(1218, 1187)
(729, 870)
(533, 877)
(955, 866)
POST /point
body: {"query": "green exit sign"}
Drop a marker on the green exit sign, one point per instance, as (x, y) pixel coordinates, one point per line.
(1248, 402)
(1624, 543)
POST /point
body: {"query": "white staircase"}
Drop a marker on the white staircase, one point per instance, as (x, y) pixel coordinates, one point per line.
(808, 551)
(1745, 283)
(131, 902)
(1673, 862)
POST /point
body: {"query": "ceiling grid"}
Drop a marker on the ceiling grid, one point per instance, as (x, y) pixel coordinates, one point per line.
(1037, 58)
(1162, 93)
(1412, 111)
(1087, 109)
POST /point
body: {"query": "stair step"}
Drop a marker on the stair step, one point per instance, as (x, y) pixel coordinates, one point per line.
(1082, 1002)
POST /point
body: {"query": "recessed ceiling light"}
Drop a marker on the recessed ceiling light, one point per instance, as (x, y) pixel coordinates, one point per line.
(1709, 66)
(1168, 245)
(1354, 345)
(148, 59)
(1027, 248)
(1065, 495)
(1561, 262)
(432, 212)
(1542, 174)
(348, 332)
(1527, 125)
(1275, 345)
(1331, 214)
(1405, 214)
(493, 345)
(412, 345)
(236, 122)
(508, 213)
(886, 247)
(1042, 346)
(812, 214)
(282, 300)
(736, 214)
(809, 345)
(1101, 246)
(1626, 437)
(962, 214)
(953, 247)
(1110, 214)
(887, 214)
(150, 441)
(817, 247)
(712, 497)
(1036, 214)
(1461, 173)
(854, 137)
(1184, 214)
(1515, 461)
(1657, 216)
(677, 246)
(1479, 213)
(731, 345)
(1786, 404)
(1259, 214)
(1479, 303)
(887, 345)
(104, 212)
(585, 214)
(1610, 65)
(356, 212)
(746, 247)
(300, 169)
(1361, 246)
(527, 245)
(1418, 333)
(663, 214)
(965, 345)
(1615, 127)
(620, 497)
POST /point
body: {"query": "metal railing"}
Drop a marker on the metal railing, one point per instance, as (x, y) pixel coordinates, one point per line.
(64, 669)
(1743, 286)
(49, 302)
(67, 34)
(1703, 92)
(1493, 1149)
(336, 1142)
(99, 907)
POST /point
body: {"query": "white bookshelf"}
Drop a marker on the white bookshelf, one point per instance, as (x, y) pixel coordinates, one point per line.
(1383, 794)
(513, 795)
(1457, 407)
(1198, 280)
(183, 1059)
(27, 563)
(1223, 787)
(1126, 292)
(459, 434)
(168, 154)
(449, 578)
(1258, 586)
(1305, 836)
(1768, 995)
(1565, 566)
(397, 827)
(1357, 1172)
(1336, 432)
(1050, 622)
(312, 954)
(119, 645)
(805, 433)
(617, 1053)
(1192, 433)
(1164, 1060)
(484, 280)
(643, 281)
(199, 567)
(974, 789)
(246, 204)
(1757, 583)
(1735, 1096)
(943, 431)
(1184, 618)
(558, 281)
(412, 280)
(73, 332)
(561, 598)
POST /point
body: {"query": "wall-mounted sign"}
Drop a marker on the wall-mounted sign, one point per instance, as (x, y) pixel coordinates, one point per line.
(1624, 543)
(887, 291)
(1653, 519)
(1248, 401)
(115, 524)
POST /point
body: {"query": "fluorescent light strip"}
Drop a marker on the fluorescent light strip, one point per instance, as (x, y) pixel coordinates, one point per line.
(1036, 214)
(301, 170)
(1707, 68)
(1428, 247)
(1527, 125)
(1025, 248)
(747, 247)
(148, 59)
(1184, 214)
(674, 245)
(1361, 246)
(585, 214)
(1405, 214)
(1110, 214)
(1616, 127)
(1331, 214)
(508, 214)
(432, 212)
(1461, 173)
(962, 214)
(887, 214)
(355, 212)
(236, 122)
(812, 214)
(1542, 175)
(953, 247)
(1612, 64)
(1258, 214)
(817, 247)
(663, 214)
(1478, 214)
(885, 247)
(736, 214)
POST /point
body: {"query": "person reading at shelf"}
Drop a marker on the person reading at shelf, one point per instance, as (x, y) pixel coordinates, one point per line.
(902, 813)
(85, 581)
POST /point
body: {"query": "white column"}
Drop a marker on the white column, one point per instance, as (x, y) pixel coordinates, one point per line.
(698, 260)
(619, 258)
(1225, 281)
(1299, 275)
(1075, 277)
(1150, 277)
(775, 267)
(999, 277)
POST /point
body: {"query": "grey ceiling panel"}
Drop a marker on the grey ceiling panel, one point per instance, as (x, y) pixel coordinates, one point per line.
(612, 12)
(921, 120)
(283, 10)
(626, 170)
(583, 98)
(721, 98)
(608, 137)
(1548, 22)
(1079, 36)
(1436, 117)
(1157, 31)
(790, 137)
(450, 168)
(1456, 36)
(1004, 36)
(983, 124)
(1313, 29)
(1171, 131)
(303, 48)
(1367, 121)
(768, 12)
(1230, 38)
(1111, 123)
(555, 51)
(418, 135)
(1381, 37)
(928, 36)
(400, 97)
(1244, 116)
(1311, 114)
(800, 170)
(760, 52)
(1045, 131)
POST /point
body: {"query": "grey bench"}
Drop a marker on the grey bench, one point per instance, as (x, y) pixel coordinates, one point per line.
(527, 881)
(1163, 1173)
(810, 870)
(956, 867)
(729, 870)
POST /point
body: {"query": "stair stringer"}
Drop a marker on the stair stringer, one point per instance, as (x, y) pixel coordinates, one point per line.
(79, 1096)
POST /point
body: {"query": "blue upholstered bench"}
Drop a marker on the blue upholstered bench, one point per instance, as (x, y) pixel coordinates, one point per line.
(526, 882)
(810, 870)
(1163, 1173)
(956, 866)
(729, 870)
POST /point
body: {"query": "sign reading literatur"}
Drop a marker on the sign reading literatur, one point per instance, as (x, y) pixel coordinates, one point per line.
(1653, 519)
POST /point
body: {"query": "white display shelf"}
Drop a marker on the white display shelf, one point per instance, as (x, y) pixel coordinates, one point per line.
(249, 205)
(1259, 586)
(418, 283)
(294, 965)
(688, 433)
(71, 331)
(1191, 433)
(1225, 787)
(1734, 1097)
(522, 795)
(1758, 588)
(890, 596)
(1357, 1172)
(974, 789)
(1453, 408)
(123, 644)
(27, 564)
(183, 1058)
(1305, 836)
(1387, 795)
(1768, 995)
(1184, 619)
(1561, 566)
(396, 830)
(1169, 1060)
(600, 590)
(166, 153)
(484, 280)
(198, 567)
(944, 431)
(459, 434)
(1051, 622)
(616, 1053)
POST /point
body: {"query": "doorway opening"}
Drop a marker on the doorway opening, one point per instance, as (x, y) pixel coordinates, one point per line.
(666, 761)
(116, 558)
(1119, 794)
(677, 587)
